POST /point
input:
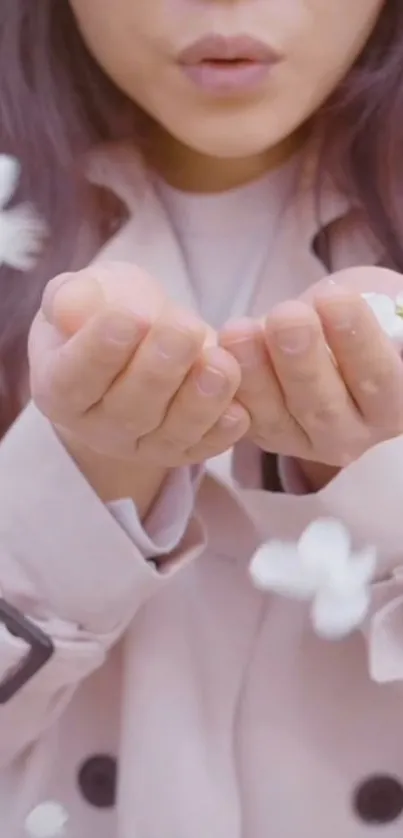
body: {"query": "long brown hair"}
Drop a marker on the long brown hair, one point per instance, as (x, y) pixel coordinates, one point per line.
(56, 104)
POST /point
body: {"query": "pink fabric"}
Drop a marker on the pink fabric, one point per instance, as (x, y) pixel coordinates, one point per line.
(227, 716)
(168, 518)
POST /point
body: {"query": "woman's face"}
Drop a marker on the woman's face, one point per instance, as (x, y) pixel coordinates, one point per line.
(289, 57)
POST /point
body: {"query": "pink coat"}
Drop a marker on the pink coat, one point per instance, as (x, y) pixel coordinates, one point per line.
(188, 704)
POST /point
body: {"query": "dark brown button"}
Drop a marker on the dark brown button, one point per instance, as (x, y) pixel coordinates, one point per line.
(379, 799)
(97, 781)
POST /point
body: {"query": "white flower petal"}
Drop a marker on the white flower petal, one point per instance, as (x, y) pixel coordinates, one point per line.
(386, 312)
(396, 333)
(9, 174)
(335, 617)
(323, 543)
(276, 567)
(379, 302)
(48, 820)
(363, 566)
(22, 235)
(345, 579)
(383, 307)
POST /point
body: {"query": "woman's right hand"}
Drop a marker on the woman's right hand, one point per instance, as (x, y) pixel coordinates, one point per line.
(121, 370)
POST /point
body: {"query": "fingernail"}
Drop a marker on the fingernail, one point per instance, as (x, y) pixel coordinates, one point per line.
(337, 308)
(338, 313)
(340, 318)
(249, 353)
(121, 329)
(175, 345)
(50, 292)
(232, 417)
(293, 341)
(211, 382)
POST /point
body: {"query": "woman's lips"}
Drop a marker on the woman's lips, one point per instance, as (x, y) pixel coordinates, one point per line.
(225, 65)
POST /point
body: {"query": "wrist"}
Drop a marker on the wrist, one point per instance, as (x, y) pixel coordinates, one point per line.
(114, 479)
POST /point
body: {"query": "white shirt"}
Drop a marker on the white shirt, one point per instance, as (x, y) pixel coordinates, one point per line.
(233, 230)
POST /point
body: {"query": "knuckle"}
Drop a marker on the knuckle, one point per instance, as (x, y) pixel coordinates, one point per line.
(43, 397)
(208, 447)
(165, 451)
(102, 357)
(196, 413)
(251, 388)
(173, 440)
(155, 380)
(115, 411)
(361, 440)
(389, 421)
(195, 422)
(41, 400)
(345, 450)
(272, 427)
(65, 397)
(380, 375)
(203, 452)
(324, 415)
(302, 377)
(263, 440)
(135, 422)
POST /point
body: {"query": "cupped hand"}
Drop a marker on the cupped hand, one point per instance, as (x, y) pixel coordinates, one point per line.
(117, 367)
(320, 379)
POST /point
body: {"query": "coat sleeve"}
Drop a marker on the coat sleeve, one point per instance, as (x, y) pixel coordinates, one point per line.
(368, 497)
(73, 567)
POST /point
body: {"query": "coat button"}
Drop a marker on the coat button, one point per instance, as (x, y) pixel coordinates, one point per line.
(97, 781)
(379, 799)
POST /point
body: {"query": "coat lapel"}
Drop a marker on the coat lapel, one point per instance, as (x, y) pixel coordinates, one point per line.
(292, 265)
(147, 239)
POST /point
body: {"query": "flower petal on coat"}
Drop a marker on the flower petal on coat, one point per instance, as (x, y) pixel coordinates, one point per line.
(334, 617)
(276, 567)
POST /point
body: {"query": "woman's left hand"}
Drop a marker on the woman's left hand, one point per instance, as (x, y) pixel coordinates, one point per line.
(311, 403)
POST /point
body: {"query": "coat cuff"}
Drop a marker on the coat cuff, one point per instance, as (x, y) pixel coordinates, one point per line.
(367, 496)
(165, 525)
(58, 540)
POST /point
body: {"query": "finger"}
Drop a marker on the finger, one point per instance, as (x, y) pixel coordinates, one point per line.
(202, 399)
(313, 389)
(139, 398)
(259, 391)
(74, 375)
(229, 429)
(368, 361)
(70, 299)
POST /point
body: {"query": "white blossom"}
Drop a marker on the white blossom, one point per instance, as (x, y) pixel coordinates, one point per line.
(320, 568)
(22, 232)
(389, 314)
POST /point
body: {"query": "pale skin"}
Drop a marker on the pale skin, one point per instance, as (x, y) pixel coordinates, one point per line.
(132, 389)
(324, 408)
(126, 416)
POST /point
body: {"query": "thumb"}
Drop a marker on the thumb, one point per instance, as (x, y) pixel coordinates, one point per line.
(71, 299)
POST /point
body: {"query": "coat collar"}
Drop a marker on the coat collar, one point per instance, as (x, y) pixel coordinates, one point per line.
(148, 239)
